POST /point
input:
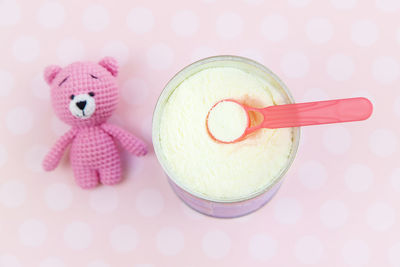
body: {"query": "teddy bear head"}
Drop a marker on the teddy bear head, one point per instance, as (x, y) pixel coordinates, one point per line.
(84, 93)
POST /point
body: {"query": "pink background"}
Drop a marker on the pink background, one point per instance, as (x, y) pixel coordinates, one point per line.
(339, 205)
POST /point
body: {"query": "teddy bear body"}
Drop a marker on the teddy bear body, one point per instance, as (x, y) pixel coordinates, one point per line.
(94, 157)
(84, 95)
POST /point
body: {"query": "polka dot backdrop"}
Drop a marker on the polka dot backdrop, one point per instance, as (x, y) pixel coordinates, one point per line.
(339, 204)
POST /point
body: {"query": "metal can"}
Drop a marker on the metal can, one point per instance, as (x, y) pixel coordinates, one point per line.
(200, 203)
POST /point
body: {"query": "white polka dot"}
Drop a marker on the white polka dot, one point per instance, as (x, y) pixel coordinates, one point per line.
(52, 262)
(308, 250)
(396, 106)
(58, 126)
(170, 241)
(159, 56)
(364, 32)
(344, 4)
(298, 3)
(315, 94)
(385, 70)
(395, 179)
(358, 177)
(389, 6)
(26, 48)
(319, 30)
(39, 87)
(12, 193)
(7, 83)
(140, 20)
(216, 244)
(8, 260)
(149, 202)
(98, 263)
(295, 64)
(135, 91)
(58, 196)
(336, 139)
(380, 216)
(287, 210)
(274, 28)
(185, 23)
(383, 142)
(355, 253)
(333, 213)
(262, 247)
(201, 52)
(252, 54)
(95, 18)
(104, 199)
(3, 155)
(34, 156)
(229, 25)
(340, 67)
(312, 174)
(78, 235)
(117, 49)
(124, 238)
(51, 15)
(10, 12)
(32, 233)
(70, 50)
(394, 255)
(19, 120)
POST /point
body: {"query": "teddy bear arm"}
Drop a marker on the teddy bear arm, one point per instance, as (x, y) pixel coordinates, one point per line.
(54, 156)
(128, 141)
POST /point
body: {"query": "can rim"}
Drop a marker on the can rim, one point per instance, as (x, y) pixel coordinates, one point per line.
(167, 91)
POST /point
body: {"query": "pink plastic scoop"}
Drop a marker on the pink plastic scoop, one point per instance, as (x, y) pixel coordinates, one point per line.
(290, 115)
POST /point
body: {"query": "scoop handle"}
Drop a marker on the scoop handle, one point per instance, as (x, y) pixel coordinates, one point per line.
(314, 113)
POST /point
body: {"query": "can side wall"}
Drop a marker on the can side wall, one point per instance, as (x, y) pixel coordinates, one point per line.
(224, 209)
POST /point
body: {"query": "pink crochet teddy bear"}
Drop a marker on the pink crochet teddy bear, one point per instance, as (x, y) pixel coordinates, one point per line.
(84, 95)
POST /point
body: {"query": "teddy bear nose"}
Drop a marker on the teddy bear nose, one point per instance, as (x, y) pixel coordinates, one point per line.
(81, 104)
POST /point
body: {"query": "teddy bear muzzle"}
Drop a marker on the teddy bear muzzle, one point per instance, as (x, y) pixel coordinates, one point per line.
(82, 106)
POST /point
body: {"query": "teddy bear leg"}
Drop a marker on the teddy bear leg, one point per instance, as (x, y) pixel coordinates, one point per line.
(85, 177)
(111, 173)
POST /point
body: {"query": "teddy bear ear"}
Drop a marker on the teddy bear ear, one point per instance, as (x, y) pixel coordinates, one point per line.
(110, 64)
(51, 72)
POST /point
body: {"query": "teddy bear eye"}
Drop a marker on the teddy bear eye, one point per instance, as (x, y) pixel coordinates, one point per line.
(72, 97)
(91, 94)
(63, 81)
(94, 77)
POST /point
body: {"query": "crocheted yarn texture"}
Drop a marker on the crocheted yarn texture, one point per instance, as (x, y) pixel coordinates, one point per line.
(84, 95)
